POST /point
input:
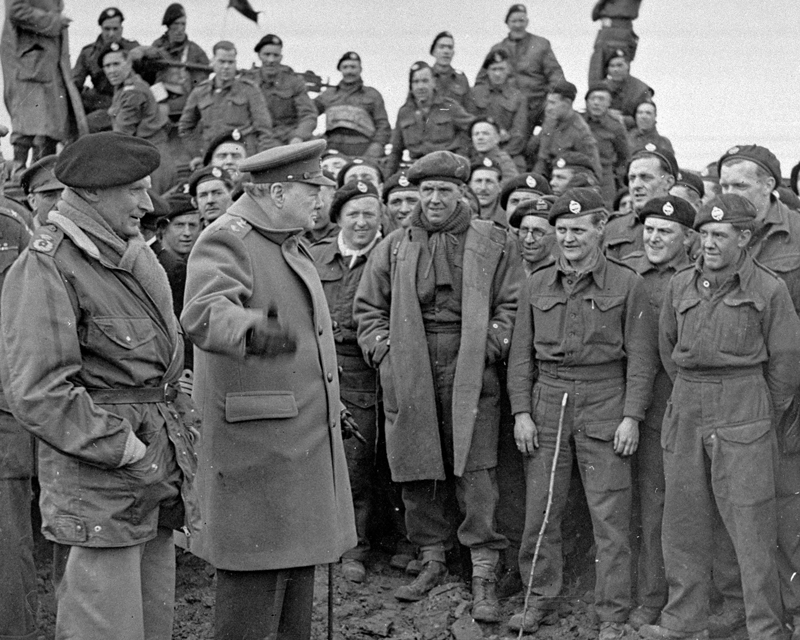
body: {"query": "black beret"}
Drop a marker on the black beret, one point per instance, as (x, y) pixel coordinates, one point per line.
(269, 39)
(531, 182)
(486, 120)
(610, 54)
(334, 152)
(291, 163)
(582, 179)
(173, 12)
(670, 208)
(486, 163)
(494, 57)
(106, 159)
(160, 209)
(762, 156)
(691, 180)
(540, 207)
(417, 66)
(231, 136)
(564, 89)
(440, 165)
(600, 85)
(179, 204)
(793, 178)
(39, 176)
(350, 55)
(110, 47)
(439, 36)
(357, 162)
(574, 160)
(710, 173)
(397, 182)
(516, 8)
(209, 173)
(111, 12)
(351, 191)
(657, 151)
(580, 201)
(728, 207)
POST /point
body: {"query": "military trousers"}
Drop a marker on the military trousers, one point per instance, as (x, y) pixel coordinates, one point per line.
(720, 454)
(618, 35)
(593, 413)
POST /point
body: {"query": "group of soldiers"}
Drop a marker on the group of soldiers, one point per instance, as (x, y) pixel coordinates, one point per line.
(215, 323)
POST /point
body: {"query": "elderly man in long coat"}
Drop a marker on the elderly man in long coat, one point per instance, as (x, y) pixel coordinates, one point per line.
(443, 293)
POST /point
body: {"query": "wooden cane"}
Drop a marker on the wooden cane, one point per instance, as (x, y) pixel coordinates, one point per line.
(546, 512)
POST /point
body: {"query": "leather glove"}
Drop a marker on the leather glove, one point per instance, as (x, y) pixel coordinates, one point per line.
(350, 428)
(186, 382)
(269, 338)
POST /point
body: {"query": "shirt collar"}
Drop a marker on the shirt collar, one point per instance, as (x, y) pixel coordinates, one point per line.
(598, 270)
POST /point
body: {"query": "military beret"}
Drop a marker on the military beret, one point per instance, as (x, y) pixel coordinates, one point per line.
(160, 209)
(530, 182)
(291, 163)
(793, 178)
(486, 120)
(494, 57)
(397, 182)
(761, 156)
(179, 204)
(486, 163)
(205, 175)
(709, 173)
(691, 180)
(439, 36)
(610, 54)
(351, 191)
(39, 176)
(619, 196)
(269, 39)
(601, 85)
(670, 208)
(350, 55)
(419, 65)
(789, 198)
(111, 12)
(439, 165)
(357, 162)
(110, 47)
(564, 89)
(577, 202)
(540, 208)
(231, 136)
(334, 152)
(657, 151)
(574, 160)
(225, 45)
(582, 179)
(728, 207)
(516, 8)
(173, 12)
(106, 159)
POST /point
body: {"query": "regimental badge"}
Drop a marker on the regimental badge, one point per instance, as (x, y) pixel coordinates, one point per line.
(239, 225)
(114, 46)
(186, 189)
(403, 181)
(705, 171)
(487, 162)
(541, 205)
(43, 243)
(733, 151)
(668, 209)
(531, 182)
(717, 214)
(620, 53)
(561, 163)
(215, 171)
(110, 13)
(236, 135)
(361, 187)
(650, 147)
(575, 206)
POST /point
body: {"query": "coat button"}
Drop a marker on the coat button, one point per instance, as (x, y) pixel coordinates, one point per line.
(330, 377)
(335, 324)
(319, 329)
(98, 528)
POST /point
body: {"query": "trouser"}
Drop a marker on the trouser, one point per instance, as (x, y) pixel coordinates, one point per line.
(618, 36)
(511, 486)
(593, 413)
(125, 593)
(18, 596)
(42, 146)
(264, 605)
(706, 464)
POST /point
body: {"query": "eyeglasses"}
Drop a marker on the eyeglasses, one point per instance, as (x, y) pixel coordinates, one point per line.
(536, 234)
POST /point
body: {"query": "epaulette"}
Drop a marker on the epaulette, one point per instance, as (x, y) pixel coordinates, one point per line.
(549, 263)
(239, 226)
(247, 80)
(684, 267)
(46, 239)
(10, 213)
(767, 269)
(128, 87)
(633, 254)
(621, 264)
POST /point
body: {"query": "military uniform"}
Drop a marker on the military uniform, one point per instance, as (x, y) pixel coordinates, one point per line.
(453, 84)
(623, 236)
(638, 140)
(98, 98)
(570, 134)
(627, 95)
(180, 82)
(616, 32)
(508, 107)
(612, 148)
(293, 112)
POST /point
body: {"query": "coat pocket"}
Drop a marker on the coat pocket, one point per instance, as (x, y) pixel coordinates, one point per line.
(743, 467)
(549, 315)
(32, 65)
(604, 319)
(122, 338)
(260, 405)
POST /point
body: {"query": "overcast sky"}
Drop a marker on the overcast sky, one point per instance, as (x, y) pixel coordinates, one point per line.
(725, 72)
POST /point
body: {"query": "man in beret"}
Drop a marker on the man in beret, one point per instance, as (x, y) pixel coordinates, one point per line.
(450, 82)
(627, 91)
(227, 151)
(211, 188)
(272, 473)
(484, 180)
(485, 134)
(583, 323)
(323, 227)
(90, 353)
(41, 188)
(355, 116)
(400, 198)
(97, 98)
(333, 161)
(226, 102)
(690, 187)
(616, 31)
(645, 130)
(667, 223)
(294, 116)
(729, 339)
(566, 167)
(564, 131)
(652, 172)
(442, 293)
(363, 170)
(535, 234)
(526, 186)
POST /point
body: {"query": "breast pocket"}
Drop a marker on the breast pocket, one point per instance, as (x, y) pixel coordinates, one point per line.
(548, 319)
(604, 319)
(439, 128)
(237, 111)
(281, 105)
(122, 338)
(687, 315)
(412, 132)
(740, 327)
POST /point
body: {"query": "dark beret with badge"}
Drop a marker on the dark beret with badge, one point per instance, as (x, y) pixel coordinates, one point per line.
(439, 36)
(574, 160)
(110, 47)
(728, 207)
(108, 14)
(657, 151)
(358, 162)
(529, 182)
(39, 176)
(291, 163)
(230, 136)
(106, 159)
(173, 13)
(351, 191)
(516, 8)
(439, 165)
(672, 208)
(205, 175)
(564, 89)
(540, 207)
(267, 40)
(709, 173)
(397, 182)
(692, 181)
(761, 156)
(610, 54)
(486, 163)
(600, 85)
(494, 57)
(577, 202)
(350, 55)
(179, 204)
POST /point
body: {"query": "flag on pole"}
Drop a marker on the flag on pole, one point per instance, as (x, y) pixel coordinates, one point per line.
(245, 8)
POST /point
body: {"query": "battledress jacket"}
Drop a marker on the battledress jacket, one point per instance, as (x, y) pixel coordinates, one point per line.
(272, 478)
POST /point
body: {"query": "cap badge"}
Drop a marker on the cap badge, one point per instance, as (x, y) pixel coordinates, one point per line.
(650, 147)
(487, 162)
(43, 243)
(620, 53)
(717, 214)
(574, 206)
(361, 187)
(541, 205)
(216, 172)
(358, 161)
(531, 182)
(186, 188)
(704, 172)
(668, 209)
(733, 151)
(403, 181)
(110, 12)
(561, 163)
(236, 135)
(114, 46)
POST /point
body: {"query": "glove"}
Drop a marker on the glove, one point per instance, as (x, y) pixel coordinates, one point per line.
(269, 338)
(350, 428)
(186, 382)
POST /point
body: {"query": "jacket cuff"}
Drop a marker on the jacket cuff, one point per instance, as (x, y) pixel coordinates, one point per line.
(520, 404)
(632, 410)
(134, 450)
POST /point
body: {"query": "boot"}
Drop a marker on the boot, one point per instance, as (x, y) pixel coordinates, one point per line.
(485, 607)
(353, 570)
(657, 632)
(643, 615)
(432, 575)
(731, 618)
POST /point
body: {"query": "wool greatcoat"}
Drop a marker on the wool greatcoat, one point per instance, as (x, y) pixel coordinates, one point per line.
(272, 478)
(387, 309)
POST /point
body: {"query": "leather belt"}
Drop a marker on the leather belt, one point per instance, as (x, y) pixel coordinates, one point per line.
(589, 373)
(133, 395)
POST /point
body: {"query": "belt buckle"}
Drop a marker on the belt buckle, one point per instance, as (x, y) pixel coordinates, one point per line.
(170, 393)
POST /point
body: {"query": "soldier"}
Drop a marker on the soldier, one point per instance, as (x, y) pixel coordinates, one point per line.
(363, 169)
(616, 32)
(583, 324)
(536, 237)
(440, 397)
(689, 186)
(266, 361)
(333, 161)
(227, 151)
(485, 134)
(355, 116)
(645, 131)
(97, 98)
(526, 186)
(211, 188)
(294, 116)
(564, 130)
(728, 336)
(91, 352)
(400, 198)
(451, 83)
(710, 176)
(228, 102)
(41, 188)
(667, 225)
(323, 227)
(569, 166)
(627, 92)
(428, 121)
(484, 180)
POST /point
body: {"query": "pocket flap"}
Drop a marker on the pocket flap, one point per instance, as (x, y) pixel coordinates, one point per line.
(758, 305)
(362, 399)
(745, 433)
(126, 332)
(685, 304)
(259, 405)
(603, 430)
(545, 303)
(604, 303)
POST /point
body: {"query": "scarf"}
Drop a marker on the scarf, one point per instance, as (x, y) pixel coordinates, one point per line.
(354, 254)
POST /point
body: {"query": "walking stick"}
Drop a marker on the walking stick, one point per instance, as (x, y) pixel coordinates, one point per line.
(546, 512)
(330, 601)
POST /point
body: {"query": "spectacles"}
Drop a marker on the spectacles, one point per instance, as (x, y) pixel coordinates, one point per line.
(536, 234)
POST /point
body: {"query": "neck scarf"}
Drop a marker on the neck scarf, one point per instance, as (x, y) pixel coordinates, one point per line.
(354, 254)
